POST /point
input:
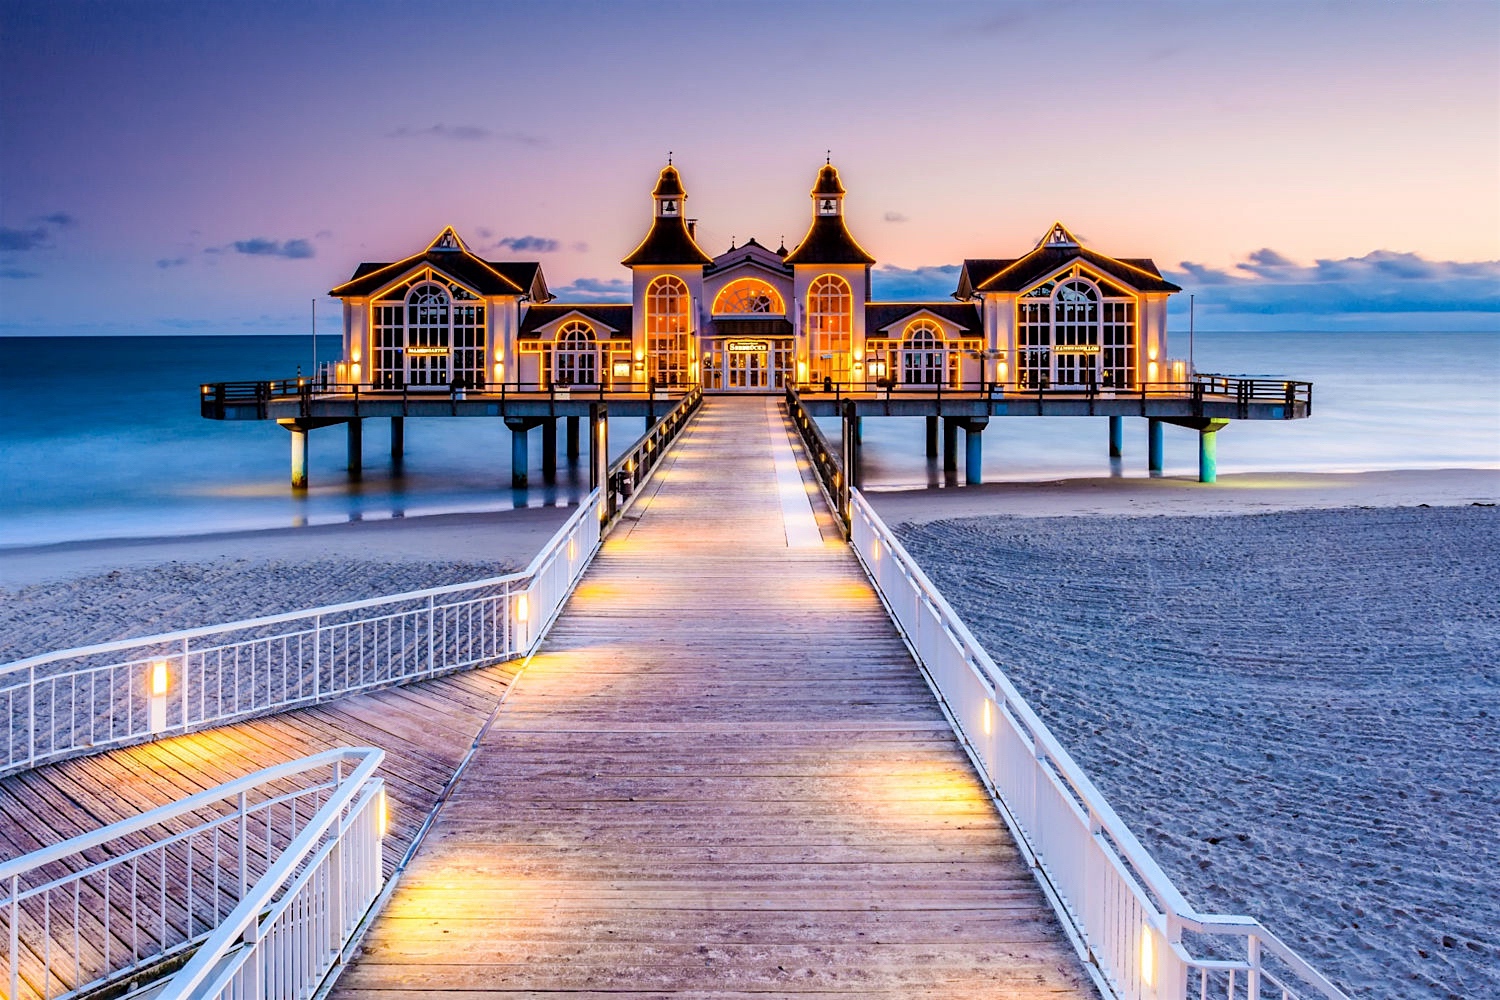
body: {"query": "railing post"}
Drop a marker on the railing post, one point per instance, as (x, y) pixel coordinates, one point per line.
(182, 682)
(30, 721)
(317, 657)
(15, 936)
(244, 826)
(431, 634)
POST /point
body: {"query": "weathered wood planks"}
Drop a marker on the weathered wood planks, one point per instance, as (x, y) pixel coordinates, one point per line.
(722, 776)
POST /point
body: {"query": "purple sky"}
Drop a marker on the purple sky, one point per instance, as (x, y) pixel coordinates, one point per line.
(179, 167)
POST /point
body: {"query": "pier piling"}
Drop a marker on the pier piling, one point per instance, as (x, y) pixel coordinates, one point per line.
(1153, 446)
(1116, 437)
(974, 451)
(299, 457)
(549, 449)
(950, 444)
(356, 447)
(932, 437)
(572, 440)
(398, 440)
(1208, 450)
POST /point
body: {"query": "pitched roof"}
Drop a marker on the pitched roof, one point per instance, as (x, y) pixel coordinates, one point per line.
(617, 317)
(828, 241)
(449, 254)
(964, 315)
(1055, 251)
(667, 242)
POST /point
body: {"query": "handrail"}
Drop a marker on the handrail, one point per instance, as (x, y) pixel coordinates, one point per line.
(111, 694)
(828, 463)
(113, 903)
(1127, 913)
(626, 473)
(1242, 388)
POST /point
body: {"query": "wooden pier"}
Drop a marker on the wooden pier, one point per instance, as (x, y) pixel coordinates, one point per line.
(722, 775)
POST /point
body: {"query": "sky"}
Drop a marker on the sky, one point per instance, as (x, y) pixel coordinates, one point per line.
(215, 167)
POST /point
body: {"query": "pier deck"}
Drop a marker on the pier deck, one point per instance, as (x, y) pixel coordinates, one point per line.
(722, 775)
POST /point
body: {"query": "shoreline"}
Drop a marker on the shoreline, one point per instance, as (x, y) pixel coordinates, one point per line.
(1183, 496)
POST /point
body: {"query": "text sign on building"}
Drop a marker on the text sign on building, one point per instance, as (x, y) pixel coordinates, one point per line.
(1076, 349)
(426, 351)
(746, 346)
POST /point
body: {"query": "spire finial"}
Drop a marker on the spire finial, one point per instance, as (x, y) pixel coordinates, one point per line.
(669, 157)
(828, 160)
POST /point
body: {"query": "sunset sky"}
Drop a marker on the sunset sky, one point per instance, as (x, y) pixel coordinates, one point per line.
(213, 167)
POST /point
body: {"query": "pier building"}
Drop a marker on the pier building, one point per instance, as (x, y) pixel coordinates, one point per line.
(1060, 329)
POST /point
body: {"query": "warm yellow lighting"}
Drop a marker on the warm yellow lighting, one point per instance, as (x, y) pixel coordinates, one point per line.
(640, 354)
(354, 373)
(1148, 956)
(622, 369)
(499, 371)
(989, 718)
(159, 678)
(858, 354)
(382, 815)
(572, 549)
(1004, 371)
(1151, 370)
(802, 371)
(523, 608)
(1151, 353)
(875, 549)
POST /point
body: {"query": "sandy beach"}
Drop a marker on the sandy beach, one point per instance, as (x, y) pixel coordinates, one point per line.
(57, 596)
(1293, 697)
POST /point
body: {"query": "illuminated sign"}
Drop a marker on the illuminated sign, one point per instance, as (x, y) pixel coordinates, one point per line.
(1076, 349)
(746, 346)
(426, 351)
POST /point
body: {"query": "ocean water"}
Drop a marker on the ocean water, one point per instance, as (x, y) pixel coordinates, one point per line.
(100, 437)
(1380, 401)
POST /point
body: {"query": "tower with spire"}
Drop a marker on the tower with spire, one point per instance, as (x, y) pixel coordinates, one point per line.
(666, 270)
(827, 264)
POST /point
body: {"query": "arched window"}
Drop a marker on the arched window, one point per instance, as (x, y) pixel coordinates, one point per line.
(427, 330)
(830, 324)
(667, 328)
(1076, 331)
(576, 359)
(748, 295)
(924, 357)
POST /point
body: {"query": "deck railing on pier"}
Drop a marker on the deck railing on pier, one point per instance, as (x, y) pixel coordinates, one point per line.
(271, 871)
(1146, 941)
(216, 397)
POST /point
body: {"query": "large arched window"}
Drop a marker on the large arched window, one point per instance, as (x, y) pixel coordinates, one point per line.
(1076, 331)
(924, 357)
(749, 295)
(576, 358)
(830, 324)
(428, 330)
(667, 328)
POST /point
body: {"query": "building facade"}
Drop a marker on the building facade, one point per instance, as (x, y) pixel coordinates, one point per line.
(757, 320)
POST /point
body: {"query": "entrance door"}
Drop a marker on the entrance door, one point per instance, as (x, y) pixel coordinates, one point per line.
(426, 369)
(747, 369)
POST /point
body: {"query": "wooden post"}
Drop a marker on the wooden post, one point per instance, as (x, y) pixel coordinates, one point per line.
(932, 437)
(1153, 445)
(572, 440)
(549, 449)
(356, 447)
(299, 457)
(398, 440)
(950, 444)
(1116, 437)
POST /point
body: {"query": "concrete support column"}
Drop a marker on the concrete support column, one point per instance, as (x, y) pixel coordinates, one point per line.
(1153, 445)
(1116, 437)
(853, 476)
(549, 449)
(398, 440)
(356, 447)
(1208, 451)
(950, 444)
(520, 457)
(973, 453)
(572, 439)
(599, 452)
(932, 436)
(299, 458)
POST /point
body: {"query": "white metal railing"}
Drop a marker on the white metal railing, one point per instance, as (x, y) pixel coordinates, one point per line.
(303, 837)
(1146, 941)
(115, 693)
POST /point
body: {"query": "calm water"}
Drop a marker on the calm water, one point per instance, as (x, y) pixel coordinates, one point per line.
(1380, 401)
(101, 437)
(110, 444)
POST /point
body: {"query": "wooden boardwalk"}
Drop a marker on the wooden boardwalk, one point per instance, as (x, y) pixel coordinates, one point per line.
(722, 776)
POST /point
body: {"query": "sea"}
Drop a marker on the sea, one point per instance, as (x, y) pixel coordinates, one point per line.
(101, 437)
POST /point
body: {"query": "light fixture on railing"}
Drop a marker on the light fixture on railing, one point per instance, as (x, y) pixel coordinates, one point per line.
(158, 709)
(1148, 955)
(989, 717)
(382, 814)
(523, 608)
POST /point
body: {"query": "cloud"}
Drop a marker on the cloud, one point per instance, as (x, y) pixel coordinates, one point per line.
(16, 272)
(167, 262)
(528, 244)
(594, 290)
(261, 247)
(1381, 282)
(890, 283)
(580, 247)
(466, 133)
(894, 217)
(59, 219)
(18, 240)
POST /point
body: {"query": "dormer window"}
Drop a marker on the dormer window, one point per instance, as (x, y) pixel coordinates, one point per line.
(669, 206)
(828, 206)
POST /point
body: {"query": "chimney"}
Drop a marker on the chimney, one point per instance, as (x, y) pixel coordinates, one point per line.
(693, 228)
